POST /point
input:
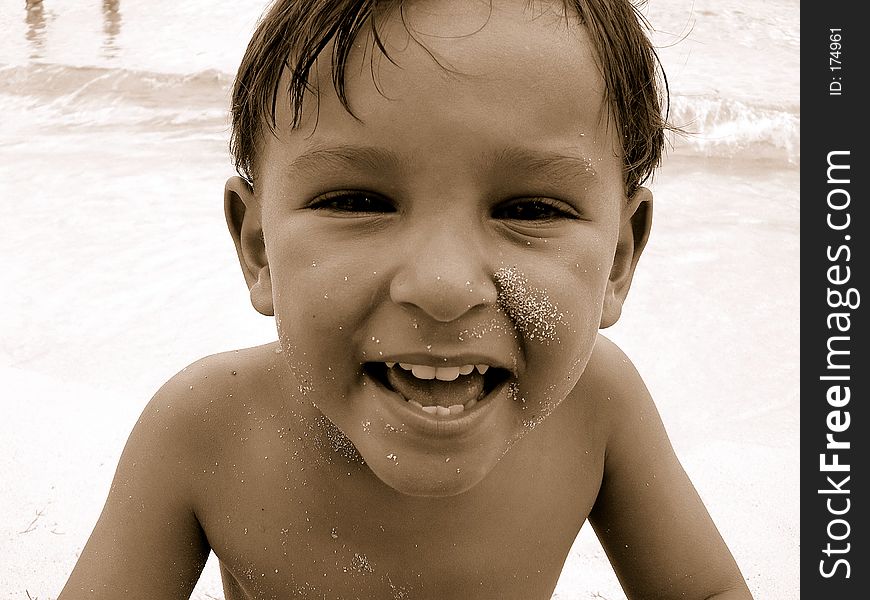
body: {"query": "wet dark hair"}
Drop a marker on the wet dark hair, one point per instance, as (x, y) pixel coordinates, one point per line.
(292, 33)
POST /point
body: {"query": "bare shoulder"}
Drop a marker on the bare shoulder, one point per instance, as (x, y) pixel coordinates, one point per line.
(150, 521)
(191, 414)
(625, 411)
(204, 379)
(200, 393)
(648, 516)
(185, 424)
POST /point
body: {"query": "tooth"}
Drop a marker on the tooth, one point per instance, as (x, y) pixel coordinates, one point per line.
(470, 403)
(456, 409)
(415, 403)
(466, 369)
(482, 369)
(406, 366)
(430, 409)
(443, 411)
(423, 372)
(447, 373)
(390, 365)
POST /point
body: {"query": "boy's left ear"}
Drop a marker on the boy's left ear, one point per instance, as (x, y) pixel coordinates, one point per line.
(634, 229)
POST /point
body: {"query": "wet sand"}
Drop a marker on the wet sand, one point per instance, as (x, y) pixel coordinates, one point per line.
(117, 269)
(119, 272)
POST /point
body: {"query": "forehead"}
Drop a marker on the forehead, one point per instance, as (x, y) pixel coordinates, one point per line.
(471, 78)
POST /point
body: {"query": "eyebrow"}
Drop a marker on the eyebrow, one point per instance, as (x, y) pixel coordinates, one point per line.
(555, 167)
(344, 156)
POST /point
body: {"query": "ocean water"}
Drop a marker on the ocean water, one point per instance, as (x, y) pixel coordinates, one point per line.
(117, 270)
(733, 65)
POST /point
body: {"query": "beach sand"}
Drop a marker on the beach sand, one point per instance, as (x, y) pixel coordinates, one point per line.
(122, 273)
(117, 269)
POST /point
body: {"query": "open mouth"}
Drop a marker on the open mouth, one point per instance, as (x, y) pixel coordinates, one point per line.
(442, 391)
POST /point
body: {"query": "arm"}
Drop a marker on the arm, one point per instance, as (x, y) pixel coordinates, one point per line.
(648, 516)
(147, 542)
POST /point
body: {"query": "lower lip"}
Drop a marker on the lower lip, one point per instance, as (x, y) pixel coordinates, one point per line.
(443, 426)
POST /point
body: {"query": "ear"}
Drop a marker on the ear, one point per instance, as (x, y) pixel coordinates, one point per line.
(242, 211)
(634, 229)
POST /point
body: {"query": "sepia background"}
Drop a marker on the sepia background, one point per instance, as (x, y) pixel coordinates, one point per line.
(117, 271)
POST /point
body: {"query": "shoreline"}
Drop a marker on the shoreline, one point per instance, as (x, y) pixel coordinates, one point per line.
(711, 322)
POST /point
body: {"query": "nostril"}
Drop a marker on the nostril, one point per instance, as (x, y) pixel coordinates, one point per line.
(443, 297)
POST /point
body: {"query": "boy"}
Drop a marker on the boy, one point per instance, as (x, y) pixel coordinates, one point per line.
(442, 204)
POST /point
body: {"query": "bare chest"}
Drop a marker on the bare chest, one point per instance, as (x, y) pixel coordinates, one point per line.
(295, 526)
(335, 531)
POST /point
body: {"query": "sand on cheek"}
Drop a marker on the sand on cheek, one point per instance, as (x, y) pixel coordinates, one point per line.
(531, 310)
(538, 319)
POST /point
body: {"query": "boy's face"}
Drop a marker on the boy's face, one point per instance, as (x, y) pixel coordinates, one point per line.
(472, 214)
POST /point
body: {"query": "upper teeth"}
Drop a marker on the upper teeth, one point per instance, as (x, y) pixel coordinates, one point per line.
(440, 373)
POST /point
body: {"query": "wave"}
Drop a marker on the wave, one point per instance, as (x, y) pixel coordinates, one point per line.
(724, 127)
(56, 94)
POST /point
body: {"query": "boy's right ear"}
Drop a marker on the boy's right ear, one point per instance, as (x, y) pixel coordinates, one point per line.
(243, 216)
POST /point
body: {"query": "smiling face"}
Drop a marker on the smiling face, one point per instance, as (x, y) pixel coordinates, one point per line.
(439, 263)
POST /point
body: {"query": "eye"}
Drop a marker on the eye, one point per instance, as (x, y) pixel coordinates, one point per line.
(534, 209)
(353, 202)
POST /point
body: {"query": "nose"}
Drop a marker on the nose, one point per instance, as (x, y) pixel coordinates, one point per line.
(444, 274)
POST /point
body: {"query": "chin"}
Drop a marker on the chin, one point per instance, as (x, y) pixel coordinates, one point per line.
(431, 489)
(431, 477)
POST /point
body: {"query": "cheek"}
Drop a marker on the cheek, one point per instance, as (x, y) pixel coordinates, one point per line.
(550, 298)
(310, 321)
(557, 315)
(320, 313)
(535, 315)
(581, 299)
(313, 312)
(308, 281)
(318, 282)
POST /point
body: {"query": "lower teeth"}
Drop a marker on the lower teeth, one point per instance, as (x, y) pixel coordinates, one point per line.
(443, 410)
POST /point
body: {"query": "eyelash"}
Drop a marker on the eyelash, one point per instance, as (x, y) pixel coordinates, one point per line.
(353, 202)
(530, 209)
(555, 210)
